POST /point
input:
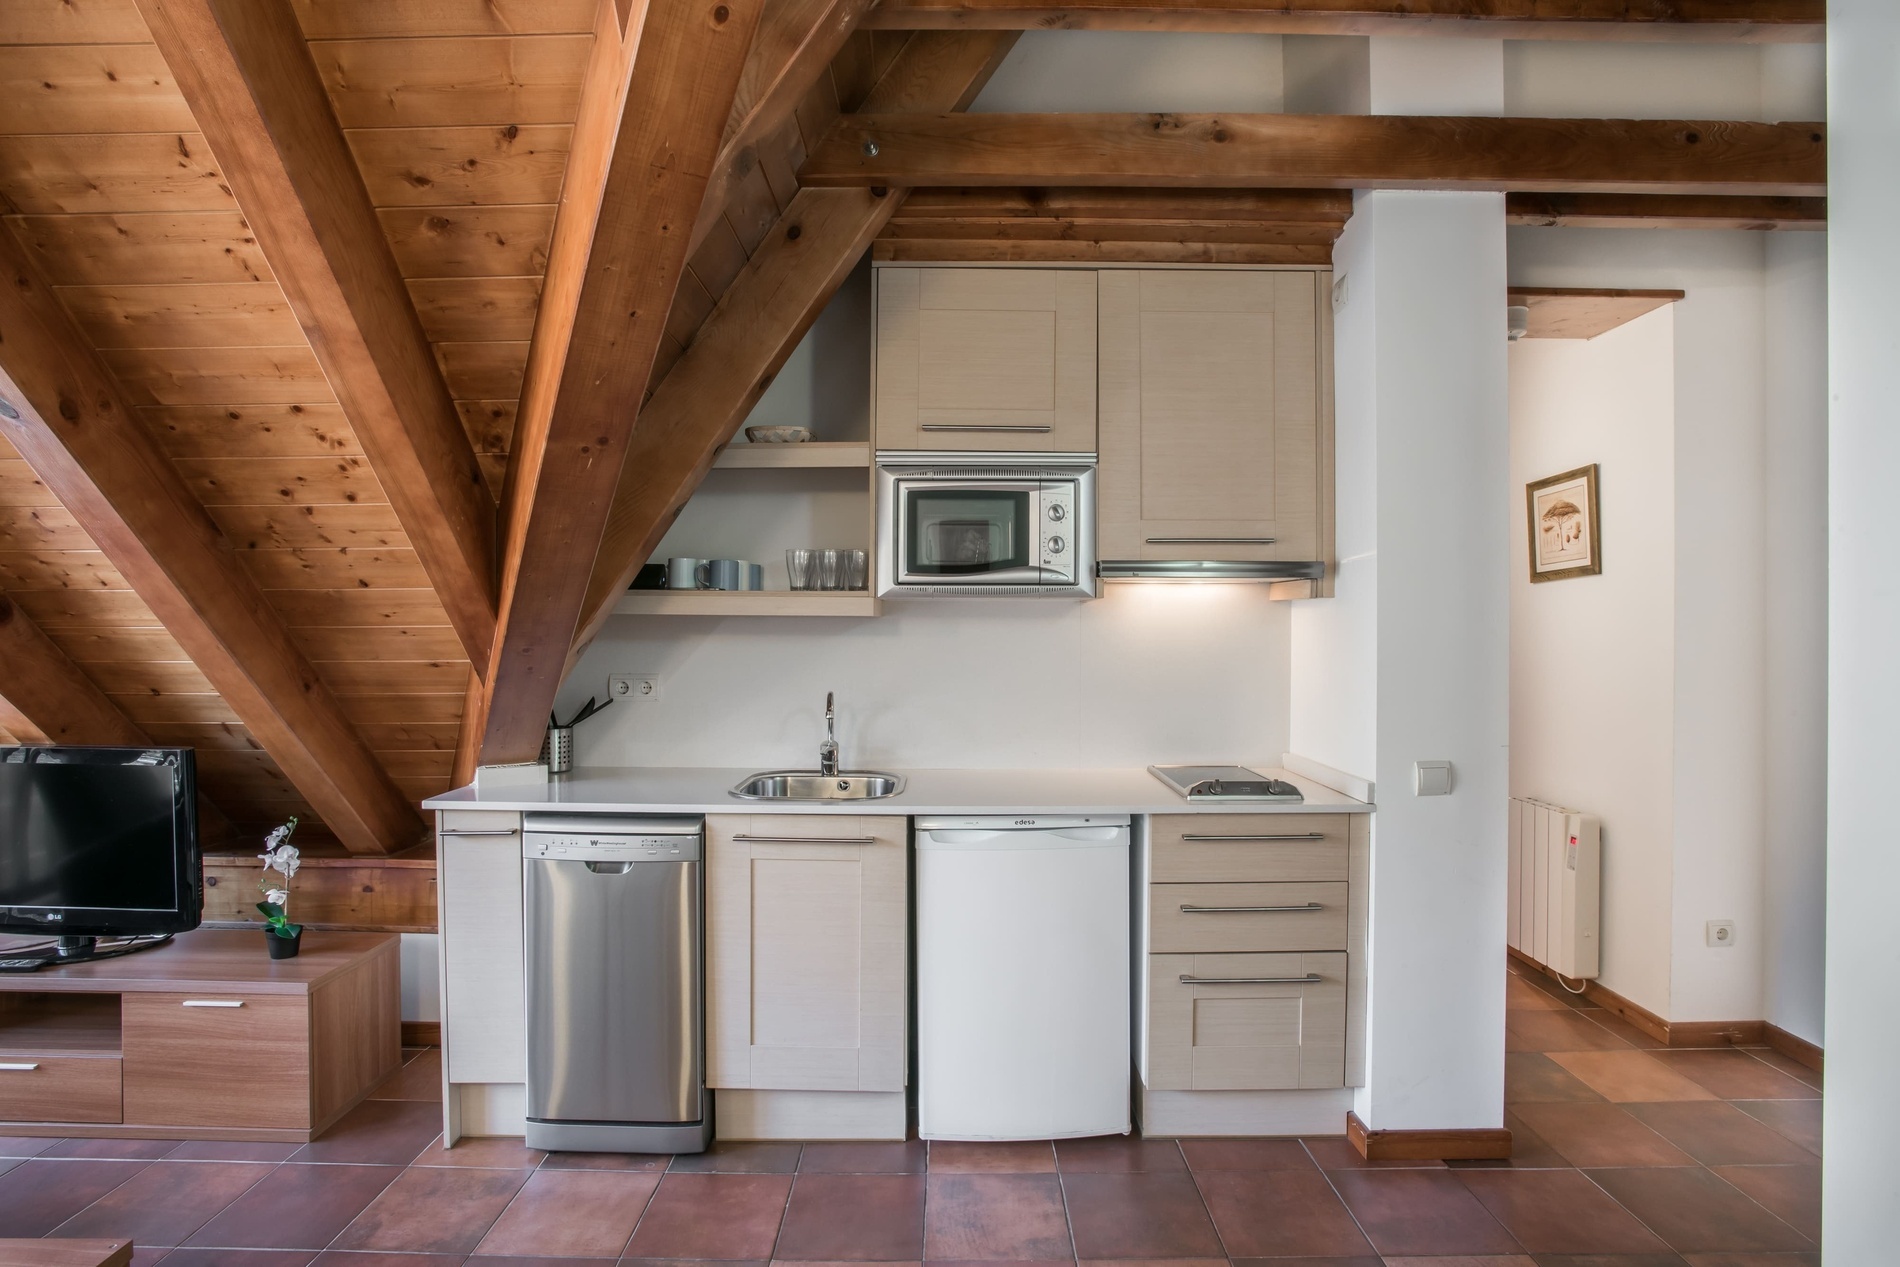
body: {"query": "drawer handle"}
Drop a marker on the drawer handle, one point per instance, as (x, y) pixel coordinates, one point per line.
(492, 831)
(1297, 835)
(1249, 910)
(986, 426)
(21, 1066)
(1311, 978)
(808, 840)
(1212, 541)
(212, 1003)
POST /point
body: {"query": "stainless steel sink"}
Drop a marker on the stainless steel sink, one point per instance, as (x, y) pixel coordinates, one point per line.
(810, 785)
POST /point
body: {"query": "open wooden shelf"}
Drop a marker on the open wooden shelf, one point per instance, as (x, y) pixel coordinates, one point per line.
(59, 1024)
(748, 603)
(784, 457)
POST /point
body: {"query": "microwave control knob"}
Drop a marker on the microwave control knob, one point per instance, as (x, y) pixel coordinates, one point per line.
(1055, 545)
(1058, 513)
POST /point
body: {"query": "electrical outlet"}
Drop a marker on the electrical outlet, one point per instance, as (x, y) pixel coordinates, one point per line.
(1721, 932)
(633, 687)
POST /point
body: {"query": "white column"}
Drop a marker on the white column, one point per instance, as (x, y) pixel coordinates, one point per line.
(1860, 1184)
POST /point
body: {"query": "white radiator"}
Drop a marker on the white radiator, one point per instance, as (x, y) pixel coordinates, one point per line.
(1556, 882)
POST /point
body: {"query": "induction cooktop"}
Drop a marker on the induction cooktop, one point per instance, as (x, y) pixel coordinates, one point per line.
(1224, 783)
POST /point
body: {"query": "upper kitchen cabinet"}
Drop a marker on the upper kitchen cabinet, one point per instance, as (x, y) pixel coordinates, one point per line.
(985, 358)
(1215, 415)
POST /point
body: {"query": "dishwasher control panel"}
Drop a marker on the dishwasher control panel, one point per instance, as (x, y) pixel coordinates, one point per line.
(581, 847)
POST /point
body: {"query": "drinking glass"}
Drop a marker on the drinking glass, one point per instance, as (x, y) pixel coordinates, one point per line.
(799, 565)
(854, 566)
(830, 565)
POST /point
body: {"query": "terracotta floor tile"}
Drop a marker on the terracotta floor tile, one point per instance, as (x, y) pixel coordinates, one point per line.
(1333, 1152)
(1737, 1075)
(1809, 1259)
(1138, 1216)
(1531, 1077)
(1157, 1262)
(724, 1216)
(1015, 1157)
(194, 1257)
(1421, 1212)
(296, 1207)
(1790, 1193)
(991, 1262)
(1623, 1029)
(909, 1157)
(1519, 993)
(739, 1159)
(1559, 1212)
(377, 1133)
(114, 1149)
(1528, 1151)
(434, 1210)
(1695, 1210)
(489, 1152)
(572, 1214)
(1788, 1065)
(1630, 1077)
(1246, 1154)
(1123, 1154)
(1461, 1260)
(653, 1163)
(501, 1260)
(165, 1202)
(676, 1262)
(22, 1146)
(367, 1258)
(38, 1195)
(1557, 1031)
(1357, 1260)
(1799, 1120)
(1265, 1213)
(989, 1216)
(1670, 1259)
(1719, 1134)
(419, 1079)
(231, 1150)
(839, 1218)
(1600, 1135)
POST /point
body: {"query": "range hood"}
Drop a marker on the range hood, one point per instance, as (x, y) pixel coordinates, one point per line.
(1207, 570)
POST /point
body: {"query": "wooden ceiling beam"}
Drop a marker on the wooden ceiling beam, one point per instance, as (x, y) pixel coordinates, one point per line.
(1664, 211)
(63, 410)
(743, 344)
(653, 110)
(1702, 21)
(1265, 151)
(52, 694)
(248, 76)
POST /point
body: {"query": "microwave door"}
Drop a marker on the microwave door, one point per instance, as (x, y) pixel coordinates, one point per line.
(968, 533)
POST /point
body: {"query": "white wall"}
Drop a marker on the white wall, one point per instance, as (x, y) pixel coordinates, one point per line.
(1630, 80)
(1082, 71)
(1593, 658)
(1860, 1200)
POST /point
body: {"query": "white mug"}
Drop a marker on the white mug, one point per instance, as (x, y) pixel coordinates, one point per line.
(687, 574)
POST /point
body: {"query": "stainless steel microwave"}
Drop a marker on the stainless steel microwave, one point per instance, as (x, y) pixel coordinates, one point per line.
(1000, 525)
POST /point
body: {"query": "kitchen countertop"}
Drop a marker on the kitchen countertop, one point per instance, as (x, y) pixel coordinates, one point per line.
(704, 790)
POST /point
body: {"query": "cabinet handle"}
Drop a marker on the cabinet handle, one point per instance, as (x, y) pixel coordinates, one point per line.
(1212, 541)
(808, 840)
(21, 1066)
(1248, 910)
(212, 1003)
(1297, 835)
(1310, 978)
(986, 426)
(502, 831)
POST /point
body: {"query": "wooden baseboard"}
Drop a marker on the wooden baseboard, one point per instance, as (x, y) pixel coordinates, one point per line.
(1475, 1144)
(422, 1033)
(1668, 1033)
(1799, 1050)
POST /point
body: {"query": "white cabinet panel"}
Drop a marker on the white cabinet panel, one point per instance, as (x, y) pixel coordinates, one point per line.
(484, 1034)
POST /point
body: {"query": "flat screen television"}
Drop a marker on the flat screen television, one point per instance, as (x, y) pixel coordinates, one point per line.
(98, 842)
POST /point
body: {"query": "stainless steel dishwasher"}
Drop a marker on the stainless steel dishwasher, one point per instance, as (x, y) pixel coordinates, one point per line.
(615, 983)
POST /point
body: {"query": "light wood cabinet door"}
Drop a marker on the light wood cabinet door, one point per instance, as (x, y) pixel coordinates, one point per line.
(985, 358)
(262, 1047)
(484, 1029)
(1211, 416)
(807, 951)
(1246, 1022)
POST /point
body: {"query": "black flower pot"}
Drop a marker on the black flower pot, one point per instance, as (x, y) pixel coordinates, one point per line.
(283, 947)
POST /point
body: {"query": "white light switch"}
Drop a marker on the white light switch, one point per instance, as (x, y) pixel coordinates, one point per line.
(1431, 778)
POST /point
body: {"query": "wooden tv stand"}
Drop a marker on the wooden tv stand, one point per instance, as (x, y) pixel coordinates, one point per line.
(204, 1038)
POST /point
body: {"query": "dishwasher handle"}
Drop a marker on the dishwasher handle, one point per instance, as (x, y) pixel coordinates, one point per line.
(1083, 835)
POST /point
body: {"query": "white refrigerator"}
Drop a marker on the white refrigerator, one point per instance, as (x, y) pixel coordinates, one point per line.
(1023, 977)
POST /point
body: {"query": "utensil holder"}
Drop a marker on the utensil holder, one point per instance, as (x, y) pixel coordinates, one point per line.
(557, 749)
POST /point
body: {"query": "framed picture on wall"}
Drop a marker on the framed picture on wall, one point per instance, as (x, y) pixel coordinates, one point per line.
(1566, 539)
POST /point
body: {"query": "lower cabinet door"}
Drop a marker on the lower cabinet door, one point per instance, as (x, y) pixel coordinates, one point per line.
(478, 862)
(807, 952)
(1246, 1022)
(59, 1088)
(217, 1060)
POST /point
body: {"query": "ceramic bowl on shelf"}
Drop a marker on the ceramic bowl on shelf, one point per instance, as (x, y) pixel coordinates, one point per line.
(778, 435)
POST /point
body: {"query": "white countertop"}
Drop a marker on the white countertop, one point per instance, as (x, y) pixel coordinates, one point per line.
(706, 790)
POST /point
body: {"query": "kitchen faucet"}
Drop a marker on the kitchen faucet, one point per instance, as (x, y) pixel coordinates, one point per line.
(828, 750)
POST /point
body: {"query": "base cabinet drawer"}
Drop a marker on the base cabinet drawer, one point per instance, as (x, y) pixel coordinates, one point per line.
(59, 1088)
(1221, 918)
(1246, 1022)
(258, 1044)
(1241, 847)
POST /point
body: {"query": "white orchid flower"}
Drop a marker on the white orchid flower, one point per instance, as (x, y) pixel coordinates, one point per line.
(288, 860)
(277, 897)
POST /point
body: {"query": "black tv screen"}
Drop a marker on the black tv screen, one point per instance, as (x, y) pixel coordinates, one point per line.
(98, 842)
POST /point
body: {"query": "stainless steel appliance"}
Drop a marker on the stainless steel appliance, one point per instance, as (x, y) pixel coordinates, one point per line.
(615, 983)
(1225, 783)
(986, 524)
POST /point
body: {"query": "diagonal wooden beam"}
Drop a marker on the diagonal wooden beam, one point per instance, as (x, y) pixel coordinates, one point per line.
(62, 409)
(759, 321)
(651, 119)
(1664, 211)
(248, 77)
(1267, 151)
(794, 46)
(1698, 20)
(51, 693)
